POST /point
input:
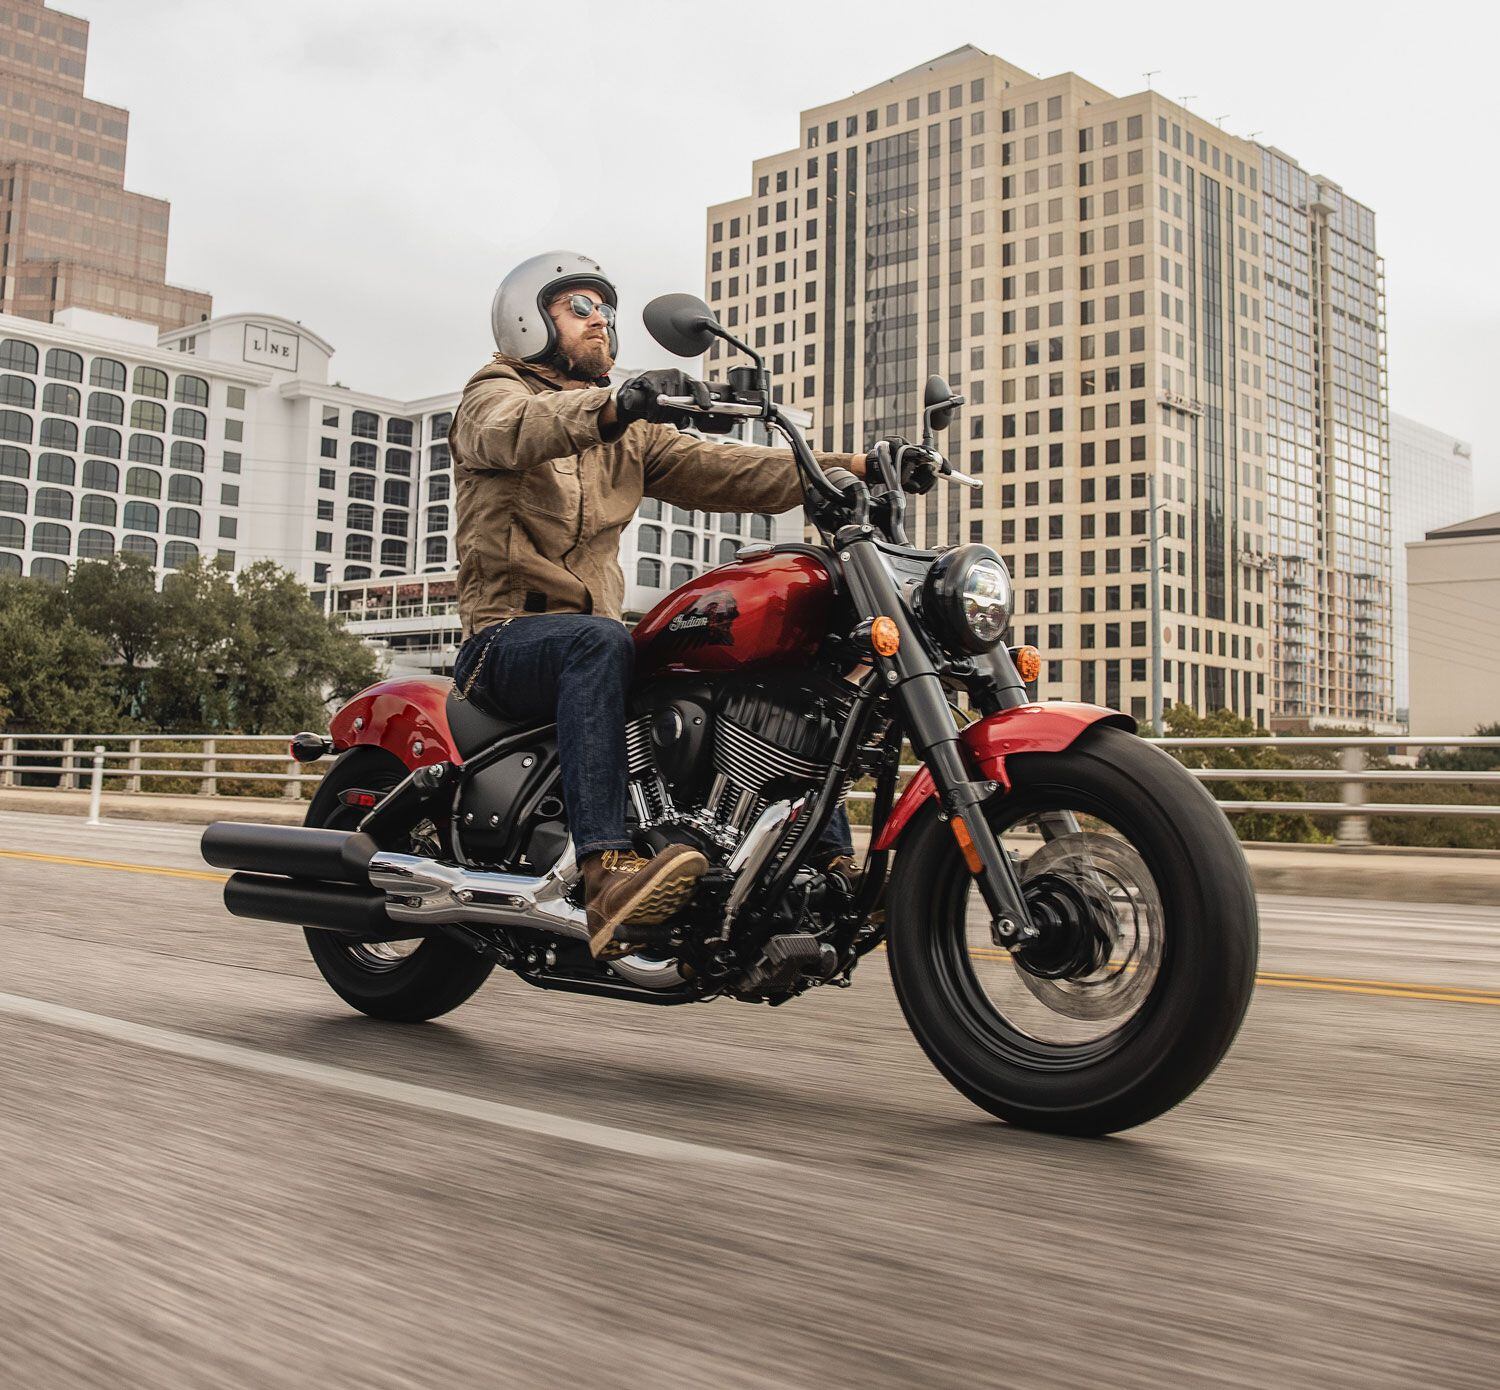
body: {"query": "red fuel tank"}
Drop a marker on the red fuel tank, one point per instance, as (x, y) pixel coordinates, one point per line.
(771, 609)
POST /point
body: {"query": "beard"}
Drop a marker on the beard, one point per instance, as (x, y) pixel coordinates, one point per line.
(589, 361)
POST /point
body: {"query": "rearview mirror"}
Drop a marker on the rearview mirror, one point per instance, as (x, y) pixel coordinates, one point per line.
(679, 322)
(939, 394)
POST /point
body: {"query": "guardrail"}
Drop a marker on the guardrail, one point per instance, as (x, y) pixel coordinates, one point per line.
(122, 757)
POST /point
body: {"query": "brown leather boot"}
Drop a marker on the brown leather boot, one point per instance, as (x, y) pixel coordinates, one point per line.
(627, 896)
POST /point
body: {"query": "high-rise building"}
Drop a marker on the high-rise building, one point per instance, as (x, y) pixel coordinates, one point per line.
(1087, 270)
(71, 234)
(1432, 485)
(1327, 453)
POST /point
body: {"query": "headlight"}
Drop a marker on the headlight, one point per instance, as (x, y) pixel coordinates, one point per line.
(967, 598)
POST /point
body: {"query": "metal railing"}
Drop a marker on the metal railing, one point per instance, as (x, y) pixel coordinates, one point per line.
(122, 758)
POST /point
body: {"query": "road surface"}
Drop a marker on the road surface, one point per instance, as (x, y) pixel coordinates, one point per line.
(216, 1175)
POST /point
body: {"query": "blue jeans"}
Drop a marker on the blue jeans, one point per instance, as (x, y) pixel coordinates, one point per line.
(576, 669)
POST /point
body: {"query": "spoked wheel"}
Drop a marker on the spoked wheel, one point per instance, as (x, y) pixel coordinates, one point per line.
(1144, 958)
(407, 981)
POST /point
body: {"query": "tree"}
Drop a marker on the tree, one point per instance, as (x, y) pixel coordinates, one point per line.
(117, 600)
(51, 670)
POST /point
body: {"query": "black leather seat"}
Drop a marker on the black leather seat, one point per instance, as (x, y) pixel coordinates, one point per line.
(472, 728)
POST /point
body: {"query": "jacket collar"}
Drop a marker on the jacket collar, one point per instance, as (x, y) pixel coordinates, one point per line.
(548, 378)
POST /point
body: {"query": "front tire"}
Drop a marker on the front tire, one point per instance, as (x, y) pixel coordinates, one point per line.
(399, 982)
(1186, 988)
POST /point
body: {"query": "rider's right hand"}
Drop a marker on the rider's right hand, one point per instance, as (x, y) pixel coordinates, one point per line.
(636, 399)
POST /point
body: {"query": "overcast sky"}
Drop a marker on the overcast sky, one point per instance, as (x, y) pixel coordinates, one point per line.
(373, 167)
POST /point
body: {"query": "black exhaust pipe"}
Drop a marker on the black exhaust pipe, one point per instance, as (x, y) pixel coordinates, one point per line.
(335, 907)
(296, 851)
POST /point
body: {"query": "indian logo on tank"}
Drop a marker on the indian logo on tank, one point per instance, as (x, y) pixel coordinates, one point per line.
(707, 623)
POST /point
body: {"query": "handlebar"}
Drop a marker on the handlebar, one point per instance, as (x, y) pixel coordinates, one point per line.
(689, 406)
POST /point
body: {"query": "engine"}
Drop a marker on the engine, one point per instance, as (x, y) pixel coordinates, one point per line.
(711, 768)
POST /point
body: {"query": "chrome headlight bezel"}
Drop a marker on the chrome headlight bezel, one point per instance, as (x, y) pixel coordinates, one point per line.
(963, 583)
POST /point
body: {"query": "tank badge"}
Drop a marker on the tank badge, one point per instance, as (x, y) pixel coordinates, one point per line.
(707, 624)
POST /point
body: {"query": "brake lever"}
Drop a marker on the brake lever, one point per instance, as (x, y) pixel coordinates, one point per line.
(690, 406)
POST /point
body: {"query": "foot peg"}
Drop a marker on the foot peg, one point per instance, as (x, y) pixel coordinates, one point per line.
(789, 957)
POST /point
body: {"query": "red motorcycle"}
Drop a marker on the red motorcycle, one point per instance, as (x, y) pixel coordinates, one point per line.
(1067, 915)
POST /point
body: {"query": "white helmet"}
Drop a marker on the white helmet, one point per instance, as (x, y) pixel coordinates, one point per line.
(518, 315)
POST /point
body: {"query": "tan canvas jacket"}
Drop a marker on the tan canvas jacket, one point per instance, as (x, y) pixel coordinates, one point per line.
(542, 495)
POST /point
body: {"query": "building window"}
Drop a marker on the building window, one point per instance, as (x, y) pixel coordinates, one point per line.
(178, 553)
(437, 550)
(182, 522)
(100, 475)
(190, 457)
(63, 434)
(17, 390)
(49, 536)
(648, 572)
(681, 574)
(61, 400)
(150, 381)
(142, 482)
(329, 449)
(183, 487)
(234, 397)
(142, 516)
(192, 390)
(364, 424)
(234, 430)
(191, 424)
(144, 415)
(63, 365)
(17, 355)
(398, 431)
(103, 371)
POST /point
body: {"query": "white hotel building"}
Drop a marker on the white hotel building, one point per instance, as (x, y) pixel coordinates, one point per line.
(226, 440)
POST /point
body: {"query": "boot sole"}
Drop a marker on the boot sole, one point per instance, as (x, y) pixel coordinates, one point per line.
(652, 908)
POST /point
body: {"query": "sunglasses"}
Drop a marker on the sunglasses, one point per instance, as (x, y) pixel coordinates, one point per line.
(585, 307)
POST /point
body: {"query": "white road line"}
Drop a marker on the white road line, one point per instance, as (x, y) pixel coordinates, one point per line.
(489, 1112)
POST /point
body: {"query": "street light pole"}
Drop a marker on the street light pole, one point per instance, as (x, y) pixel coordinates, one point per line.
(1155, 534)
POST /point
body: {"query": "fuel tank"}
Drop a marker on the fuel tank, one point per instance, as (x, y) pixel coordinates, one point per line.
(769, 609)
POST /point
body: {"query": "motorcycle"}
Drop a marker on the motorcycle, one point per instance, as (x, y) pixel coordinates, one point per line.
(1067, 916)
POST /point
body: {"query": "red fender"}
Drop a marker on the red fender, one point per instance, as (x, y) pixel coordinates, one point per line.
(407, 716)
(1045, 728)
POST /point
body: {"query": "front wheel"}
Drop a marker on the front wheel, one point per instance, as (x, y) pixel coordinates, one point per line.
(1137, 984)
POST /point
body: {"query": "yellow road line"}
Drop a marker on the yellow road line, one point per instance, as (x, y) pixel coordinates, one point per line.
(1379, 989)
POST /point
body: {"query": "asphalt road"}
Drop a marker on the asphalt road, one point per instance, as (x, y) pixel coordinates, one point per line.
(215, 1175)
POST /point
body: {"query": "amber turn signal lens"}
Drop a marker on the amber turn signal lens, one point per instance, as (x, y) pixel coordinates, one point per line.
(966, 844)
(885, 636)
(1028, 662)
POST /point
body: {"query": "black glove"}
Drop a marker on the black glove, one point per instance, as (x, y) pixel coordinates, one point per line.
(636, 398)
(919, 467)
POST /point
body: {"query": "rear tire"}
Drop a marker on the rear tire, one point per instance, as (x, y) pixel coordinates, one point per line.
(436, 974)
(1203, 975)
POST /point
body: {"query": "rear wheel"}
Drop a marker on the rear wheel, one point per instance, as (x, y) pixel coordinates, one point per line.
(400, 981)
(1146, 959)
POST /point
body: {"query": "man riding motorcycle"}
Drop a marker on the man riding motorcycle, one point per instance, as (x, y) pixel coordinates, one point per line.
(550, 464)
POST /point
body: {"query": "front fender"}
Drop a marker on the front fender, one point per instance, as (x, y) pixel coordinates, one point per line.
(1043, 728)
(408, 717)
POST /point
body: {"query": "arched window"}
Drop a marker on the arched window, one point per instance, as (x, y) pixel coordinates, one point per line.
(648, 540)
(95, 545)
(648, 572)
(364, 455)
(183, 487)
(139, 545)
(98, 511)
(14, 462)
(189, 456)
(49, 536)
(397, 493)
(61, 400)
(142, 516)
(358, 548)
(192, 390)
(395, 523)
(728, 548)
(17, 390)
(437, 550)
(364, 424)
(10, 564)
(54, 502)
(56, 468)
(107, 409)
(63, 434)
(362, 487)
(12, 532)
(178, 553)
(14, 425)
(441, 424)
(17, 355)
(356, 572)
(760, 528)
(14, 497)
(398, 431)
(150, 381)
(438, 458)
(103, 476)
(183, 522)
(147, 448)
(439, 489)
(682, 544)
(359, 517)
(98, 439)
(393, 553)
(190, 424)
(730, 521)
(106, 372)
(650, 508)
(684, 515)
(148, 415)
(142, 482)
(681, 574)
(53, 571)
(437, 519)
(398, 461)
(63, 365)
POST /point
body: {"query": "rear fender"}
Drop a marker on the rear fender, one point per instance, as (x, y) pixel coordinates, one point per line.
(1043, 728)
(407, 717)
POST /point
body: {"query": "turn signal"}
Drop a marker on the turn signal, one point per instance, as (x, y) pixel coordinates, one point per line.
(885, 636)
(1028, 662)
(966, 844)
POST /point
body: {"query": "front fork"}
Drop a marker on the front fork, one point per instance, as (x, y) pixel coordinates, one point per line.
(911, 675)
